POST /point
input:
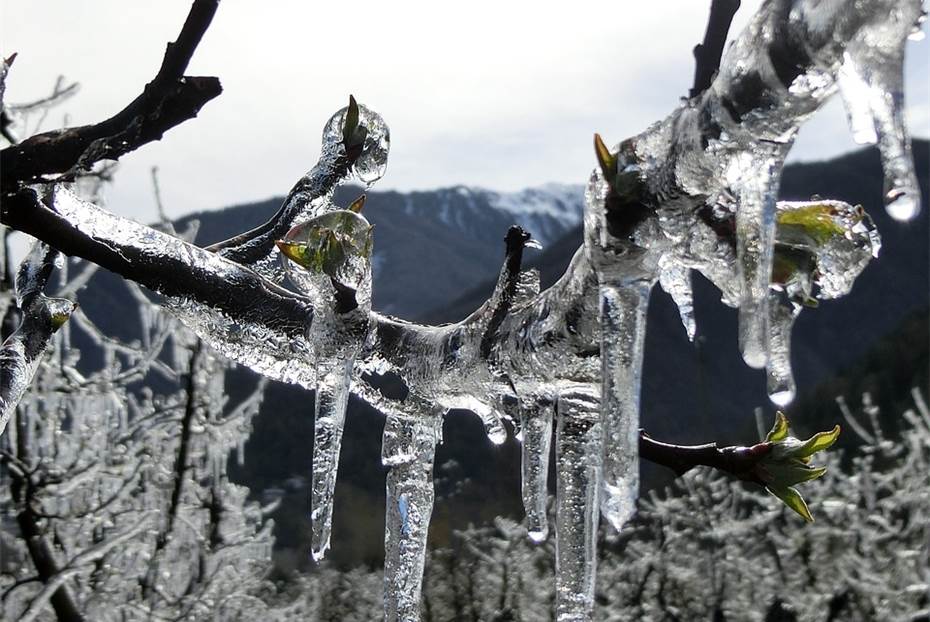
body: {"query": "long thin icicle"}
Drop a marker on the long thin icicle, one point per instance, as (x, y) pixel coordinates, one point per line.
(623, 330)
(332, 397)
(578, 442)
(781, 387)
(408, 449)
(536, 429)
(754, 179)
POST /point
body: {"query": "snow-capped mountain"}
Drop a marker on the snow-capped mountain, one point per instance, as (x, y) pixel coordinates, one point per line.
(546, 211)
(432, 246)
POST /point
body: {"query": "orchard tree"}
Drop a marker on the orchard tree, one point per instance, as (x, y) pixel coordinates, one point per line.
(291, 299)
(116, 502)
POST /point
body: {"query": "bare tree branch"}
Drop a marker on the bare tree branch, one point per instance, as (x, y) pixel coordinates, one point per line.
(168, 100)
(22, 351)
(734, 460)
(707, 54)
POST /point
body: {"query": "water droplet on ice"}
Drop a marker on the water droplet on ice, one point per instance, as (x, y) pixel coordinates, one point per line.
(902, 204)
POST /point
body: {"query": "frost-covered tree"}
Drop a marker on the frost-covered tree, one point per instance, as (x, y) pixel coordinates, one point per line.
(291, 299)
(114, 499)
(708, 548)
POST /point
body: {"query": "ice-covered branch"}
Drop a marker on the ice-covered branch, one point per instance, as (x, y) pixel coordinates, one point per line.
(168, 100)
(260, 321)
(355, 144)
(695, 191)
(21, 353)
(720, 156)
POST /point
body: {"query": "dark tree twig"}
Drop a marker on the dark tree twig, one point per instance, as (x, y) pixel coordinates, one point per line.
(168, 100)
(59, 93)
(738, 461)
(707, 55)
(515, 242)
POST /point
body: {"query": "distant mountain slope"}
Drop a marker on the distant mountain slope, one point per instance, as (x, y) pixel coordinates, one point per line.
(430, 246)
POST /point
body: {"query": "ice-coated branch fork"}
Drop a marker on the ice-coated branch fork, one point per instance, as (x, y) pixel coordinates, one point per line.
(291, 299)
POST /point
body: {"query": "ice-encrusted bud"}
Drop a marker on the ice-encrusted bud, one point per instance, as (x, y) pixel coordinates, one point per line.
(360, 133)
(335, 245)
(827, 243)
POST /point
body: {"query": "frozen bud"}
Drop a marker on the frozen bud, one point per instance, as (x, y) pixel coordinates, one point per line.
(823, 243)
(361, 135)
(335, 245)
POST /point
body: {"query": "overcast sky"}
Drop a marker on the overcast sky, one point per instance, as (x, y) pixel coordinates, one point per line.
(497, 94)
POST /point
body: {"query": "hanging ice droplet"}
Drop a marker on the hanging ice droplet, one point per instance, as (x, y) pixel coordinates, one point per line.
(780, 380)
(332, 396)
(536, 429)
(623, 330)
(372, 134)
(675, 280)
(578, 485)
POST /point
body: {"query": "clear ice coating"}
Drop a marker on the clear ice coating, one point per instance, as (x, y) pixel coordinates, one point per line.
(360, 153)
(821, 247)
(22, 352)
(370, 132)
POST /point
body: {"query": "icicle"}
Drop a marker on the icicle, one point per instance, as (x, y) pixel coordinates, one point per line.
(754, 180)
(332, 396)
(536, 428)
(408, 449)
(623, 329)
(781, 387)
(328, 258)
(675, 280)
(578, 452)
(871, 82)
